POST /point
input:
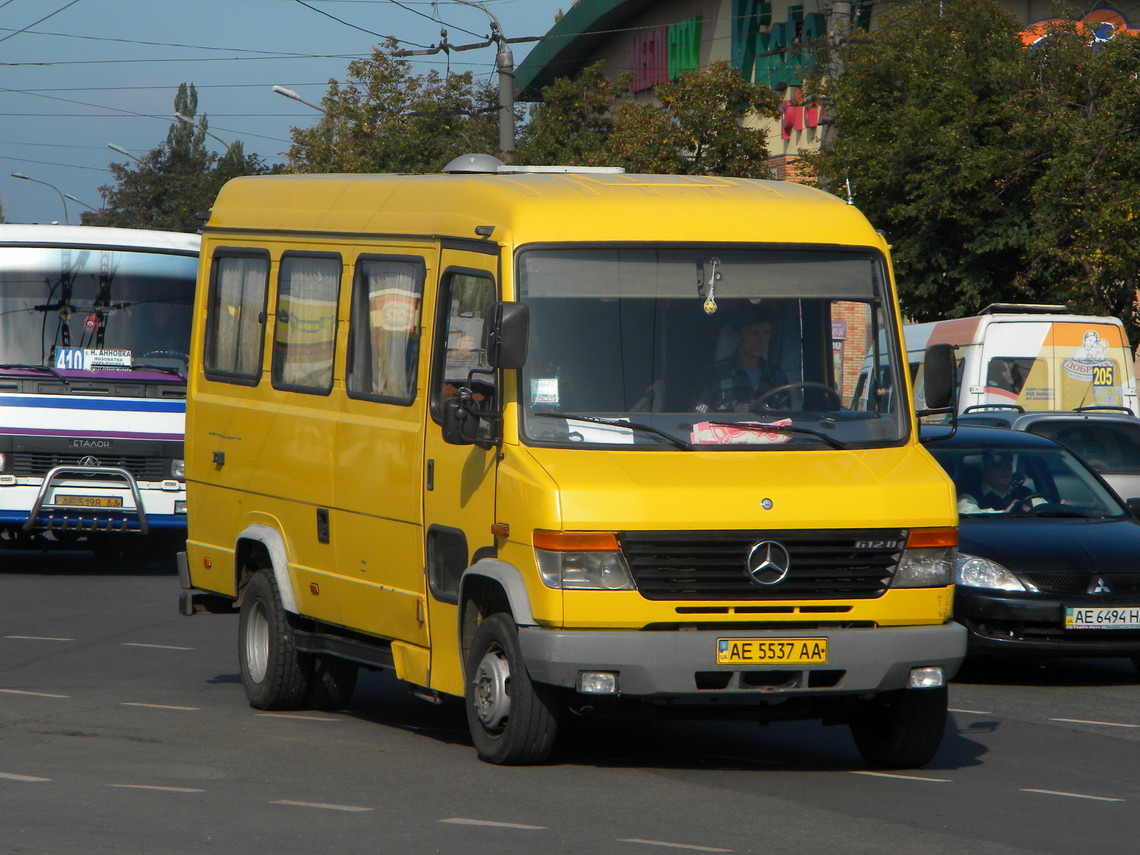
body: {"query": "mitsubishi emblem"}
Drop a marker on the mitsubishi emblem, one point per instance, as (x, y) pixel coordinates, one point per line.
(1099, 586)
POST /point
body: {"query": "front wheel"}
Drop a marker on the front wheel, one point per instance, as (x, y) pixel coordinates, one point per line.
(274, 673)
(511, 719)
(901, 729)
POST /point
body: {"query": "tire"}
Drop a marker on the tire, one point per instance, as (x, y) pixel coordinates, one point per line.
(275, 674)
(901, 729)
(511, 719)
(331, 684)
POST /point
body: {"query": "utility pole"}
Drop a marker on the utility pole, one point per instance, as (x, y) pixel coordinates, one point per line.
(504, 67)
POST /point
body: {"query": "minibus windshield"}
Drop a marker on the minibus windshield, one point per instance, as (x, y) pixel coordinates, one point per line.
(86, 307)
(709, 348)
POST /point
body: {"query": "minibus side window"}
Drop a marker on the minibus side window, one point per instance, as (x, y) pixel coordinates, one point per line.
(384, 329)
(468, 299)
(304, 336)
(235, 316)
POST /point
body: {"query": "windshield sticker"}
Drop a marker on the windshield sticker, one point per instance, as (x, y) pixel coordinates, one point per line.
(744, 433)
(1090, 361)
(544, 390)
(86, 359)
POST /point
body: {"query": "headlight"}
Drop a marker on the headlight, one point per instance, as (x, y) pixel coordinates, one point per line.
(178, 468)
(928, 560)
(976, 572)
(3, 461)
(582, 561)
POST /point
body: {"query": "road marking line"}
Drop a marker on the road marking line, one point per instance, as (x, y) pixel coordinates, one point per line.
(159, 789)
(1086, 721)
(295, 715)
(688, 846)
(37, 638)
(970, 712)
(159, 706)
(26, 779)
(1072, 795)
(905, 777)
(33, 694)
(345, 808)
(458, 820)
(155, 646)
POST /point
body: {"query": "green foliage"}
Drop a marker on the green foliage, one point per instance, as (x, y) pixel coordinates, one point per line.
(998, 173)
(387, 119)
(176, 181)
(701, 123)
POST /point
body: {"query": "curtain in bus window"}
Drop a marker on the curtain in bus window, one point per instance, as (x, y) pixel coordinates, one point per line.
(386, 303)
(305, 333)
(233, 341)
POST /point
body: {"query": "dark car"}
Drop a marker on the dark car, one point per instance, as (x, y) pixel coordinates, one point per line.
(1108, 438)
(1049, 555)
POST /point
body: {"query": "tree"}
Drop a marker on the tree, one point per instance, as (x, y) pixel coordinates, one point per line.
(387, 119)
(700, 123)
(976, 156)
(176, 181)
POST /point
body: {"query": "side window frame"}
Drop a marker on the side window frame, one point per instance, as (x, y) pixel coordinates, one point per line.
(362, 326)
(252, 378)
(277, 383)
(442, 331)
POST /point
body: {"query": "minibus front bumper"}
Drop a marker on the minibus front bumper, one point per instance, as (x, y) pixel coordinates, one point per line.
(684, 664)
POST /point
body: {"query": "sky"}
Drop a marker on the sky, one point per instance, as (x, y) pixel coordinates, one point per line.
(79, 75)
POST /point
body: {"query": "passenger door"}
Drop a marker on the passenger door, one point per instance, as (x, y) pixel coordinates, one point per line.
(459, 480)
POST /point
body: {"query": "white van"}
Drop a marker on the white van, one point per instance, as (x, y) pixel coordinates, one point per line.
(1032, 356)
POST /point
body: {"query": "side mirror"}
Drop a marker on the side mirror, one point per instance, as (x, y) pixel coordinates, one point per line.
(1134, 506)
(938, 371)
(460, 421)
(507, 335)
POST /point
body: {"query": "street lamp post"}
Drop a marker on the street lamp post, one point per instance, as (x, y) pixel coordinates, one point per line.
(124, 152)
(289, 93)
(186, 120)
(66, 219)
(79, 201)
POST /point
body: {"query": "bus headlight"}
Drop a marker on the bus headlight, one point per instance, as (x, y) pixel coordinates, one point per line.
(928, 559)
(582, 561)
(178, 468)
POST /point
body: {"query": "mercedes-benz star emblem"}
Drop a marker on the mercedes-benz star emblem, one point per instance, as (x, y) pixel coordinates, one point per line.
(88, 461)
(768, 563)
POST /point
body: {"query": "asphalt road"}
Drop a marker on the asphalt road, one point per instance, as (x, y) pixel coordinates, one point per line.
(124, 729)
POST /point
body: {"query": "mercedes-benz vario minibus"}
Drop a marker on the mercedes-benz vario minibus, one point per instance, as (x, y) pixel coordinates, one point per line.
(557, 441)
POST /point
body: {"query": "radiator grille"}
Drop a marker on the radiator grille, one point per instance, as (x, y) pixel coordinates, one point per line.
(712, 565)
(24, 464)
(1078, 583)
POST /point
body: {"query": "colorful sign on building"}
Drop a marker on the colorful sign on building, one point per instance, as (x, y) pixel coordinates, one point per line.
(663, 53)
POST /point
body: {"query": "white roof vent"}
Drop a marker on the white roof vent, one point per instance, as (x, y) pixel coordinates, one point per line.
(474, 163)
(489, 164)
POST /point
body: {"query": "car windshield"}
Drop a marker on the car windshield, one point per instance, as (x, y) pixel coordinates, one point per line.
(70, 307)
(654, 348)
(1108, 446)
(995, 482)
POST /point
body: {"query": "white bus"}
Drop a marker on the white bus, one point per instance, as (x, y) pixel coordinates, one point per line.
(94, 335)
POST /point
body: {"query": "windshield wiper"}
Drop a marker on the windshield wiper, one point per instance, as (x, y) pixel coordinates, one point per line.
(822, 437)
(161, 369)
(680, 443)
(43, 369)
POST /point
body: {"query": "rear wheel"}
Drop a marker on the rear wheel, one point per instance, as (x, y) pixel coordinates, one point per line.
(901, 729)
(511, 718)
(275, 674)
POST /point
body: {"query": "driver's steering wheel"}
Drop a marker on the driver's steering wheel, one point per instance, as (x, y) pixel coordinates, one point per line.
(796, 394)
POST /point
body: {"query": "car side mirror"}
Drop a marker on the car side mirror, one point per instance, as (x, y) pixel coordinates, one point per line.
(1134, 506)
(460, 421)
(507, 335)
(938, 371)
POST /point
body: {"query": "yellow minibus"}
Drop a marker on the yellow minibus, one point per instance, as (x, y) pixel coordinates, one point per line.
(567, 441)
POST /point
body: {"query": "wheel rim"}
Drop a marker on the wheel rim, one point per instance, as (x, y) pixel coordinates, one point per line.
(492, 690)
(257, 643)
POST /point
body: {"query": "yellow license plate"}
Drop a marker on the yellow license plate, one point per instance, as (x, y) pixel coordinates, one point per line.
(771, 651)
(90, 501)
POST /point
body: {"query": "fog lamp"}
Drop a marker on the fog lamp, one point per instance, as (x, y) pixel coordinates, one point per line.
(930, 677)
(597, 682)
(179, 506)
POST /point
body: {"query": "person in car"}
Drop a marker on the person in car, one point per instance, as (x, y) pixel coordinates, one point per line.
(1000, 493)
(746, 374)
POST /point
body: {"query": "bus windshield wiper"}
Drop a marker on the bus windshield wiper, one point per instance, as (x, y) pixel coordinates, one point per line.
(43, 369)
(161, 369)
(677, 441)
(822, 437)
